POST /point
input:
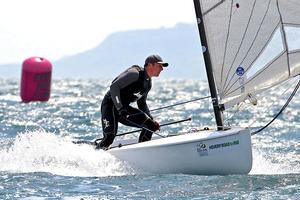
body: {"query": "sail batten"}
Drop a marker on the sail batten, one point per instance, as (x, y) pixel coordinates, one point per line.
(284, 39)
(213, 7)
(254, 44)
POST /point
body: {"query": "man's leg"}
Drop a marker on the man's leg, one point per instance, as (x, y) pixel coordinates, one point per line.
(139, 119)
(109, 124)
(146, 135)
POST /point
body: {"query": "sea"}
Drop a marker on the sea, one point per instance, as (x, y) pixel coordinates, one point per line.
(38, 159)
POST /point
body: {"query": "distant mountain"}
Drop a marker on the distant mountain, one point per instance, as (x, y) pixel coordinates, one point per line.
(179, 45)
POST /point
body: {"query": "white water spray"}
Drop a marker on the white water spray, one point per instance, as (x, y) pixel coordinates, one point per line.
(40, 151)
(262, 165)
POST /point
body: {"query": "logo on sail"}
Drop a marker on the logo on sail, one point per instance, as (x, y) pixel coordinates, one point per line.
(240, 71)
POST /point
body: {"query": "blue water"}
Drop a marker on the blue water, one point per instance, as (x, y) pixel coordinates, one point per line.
(39, 161)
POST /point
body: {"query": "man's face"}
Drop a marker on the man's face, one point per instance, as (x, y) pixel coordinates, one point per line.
(157, 68)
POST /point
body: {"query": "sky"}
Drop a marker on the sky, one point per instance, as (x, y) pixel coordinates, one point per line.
(56, 28)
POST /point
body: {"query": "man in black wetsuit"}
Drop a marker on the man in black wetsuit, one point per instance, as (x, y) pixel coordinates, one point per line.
(130, 86)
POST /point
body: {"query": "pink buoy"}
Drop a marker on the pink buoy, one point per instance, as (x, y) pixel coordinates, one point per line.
(36, 79)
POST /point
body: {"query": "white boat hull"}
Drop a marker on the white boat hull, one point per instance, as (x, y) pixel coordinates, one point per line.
(203, 153)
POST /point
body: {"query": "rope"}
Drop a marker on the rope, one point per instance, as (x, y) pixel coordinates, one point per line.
(281, 110)
(275, 100)
(180, 103)
(244, 106)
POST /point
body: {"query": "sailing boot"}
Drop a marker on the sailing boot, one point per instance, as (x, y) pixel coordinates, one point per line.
(106, 141)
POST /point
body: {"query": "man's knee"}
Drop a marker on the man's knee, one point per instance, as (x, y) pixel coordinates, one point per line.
(145, 134)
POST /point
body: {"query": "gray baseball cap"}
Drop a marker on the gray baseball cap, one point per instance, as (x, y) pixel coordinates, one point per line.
(156, 59)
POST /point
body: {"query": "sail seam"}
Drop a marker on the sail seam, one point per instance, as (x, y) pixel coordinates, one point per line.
(225, 50)
(291, 24)
(262, 22)
(294, 51)
(253, 41)
(241, 43)
(262, 50)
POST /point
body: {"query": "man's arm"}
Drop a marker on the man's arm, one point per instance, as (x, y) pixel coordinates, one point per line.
(142, 104)
(126, 78)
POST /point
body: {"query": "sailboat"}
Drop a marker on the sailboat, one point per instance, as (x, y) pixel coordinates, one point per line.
(247, 49)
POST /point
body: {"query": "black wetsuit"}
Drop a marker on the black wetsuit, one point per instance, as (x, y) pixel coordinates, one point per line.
(130, 86)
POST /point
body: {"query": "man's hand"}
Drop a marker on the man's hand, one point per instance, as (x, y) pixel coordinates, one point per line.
(156, 125)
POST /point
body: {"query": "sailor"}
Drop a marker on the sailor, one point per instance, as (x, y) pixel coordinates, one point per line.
(130, 86)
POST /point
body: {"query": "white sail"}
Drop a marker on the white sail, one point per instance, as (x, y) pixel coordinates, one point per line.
(252, 44)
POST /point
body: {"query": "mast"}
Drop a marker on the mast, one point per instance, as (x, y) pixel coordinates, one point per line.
(208, 66)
